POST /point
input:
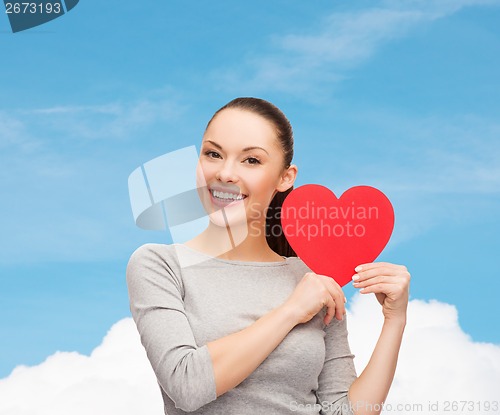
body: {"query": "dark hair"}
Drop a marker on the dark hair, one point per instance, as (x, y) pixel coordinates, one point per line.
(274, 233)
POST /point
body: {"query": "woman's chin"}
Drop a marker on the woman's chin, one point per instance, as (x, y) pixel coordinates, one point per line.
(225, 217)
(229, 217)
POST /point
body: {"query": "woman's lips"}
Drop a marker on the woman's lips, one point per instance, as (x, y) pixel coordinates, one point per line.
(224, 203)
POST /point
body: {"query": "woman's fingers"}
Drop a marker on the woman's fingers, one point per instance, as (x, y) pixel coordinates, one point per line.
(331, 310)
(389, 282)
(396, 297)
(382, 277)
(380, 272)
(336, 303)
(370, 265)
(394, 287)
(373, 269)
(362, 283)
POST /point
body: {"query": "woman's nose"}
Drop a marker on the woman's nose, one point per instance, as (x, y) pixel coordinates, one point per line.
(227, 173)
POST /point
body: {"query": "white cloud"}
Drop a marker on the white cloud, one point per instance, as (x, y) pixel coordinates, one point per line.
(110, 108)
(115, 379)
(37, 131)
(109, 120)
(13, 134)
(459, 154)
(436, 9)
(299, 62)
(61, 185)
(436, 171)
(437, 362)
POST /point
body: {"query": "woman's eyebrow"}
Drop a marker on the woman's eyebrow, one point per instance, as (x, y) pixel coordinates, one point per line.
(245, 149)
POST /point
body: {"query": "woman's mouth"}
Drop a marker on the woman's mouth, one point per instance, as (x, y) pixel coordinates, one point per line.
(223, 199)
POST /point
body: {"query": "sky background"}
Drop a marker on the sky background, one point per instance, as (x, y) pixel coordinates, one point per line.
(401, 95)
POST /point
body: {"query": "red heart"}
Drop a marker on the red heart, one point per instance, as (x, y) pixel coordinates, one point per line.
(334, 235)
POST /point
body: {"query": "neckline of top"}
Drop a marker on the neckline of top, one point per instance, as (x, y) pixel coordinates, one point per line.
(236, 262)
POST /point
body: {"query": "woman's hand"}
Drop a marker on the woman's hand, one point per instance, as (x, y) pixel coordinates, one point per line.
(312, 293)
(389, 282)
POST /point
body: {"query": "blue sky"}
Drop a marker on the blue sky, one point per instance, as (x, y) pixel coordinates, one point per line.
(400, 95)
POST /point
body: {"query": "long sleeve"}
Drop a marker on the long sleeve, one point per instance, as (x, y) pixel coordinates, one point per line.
(183, 369)
(338, 372)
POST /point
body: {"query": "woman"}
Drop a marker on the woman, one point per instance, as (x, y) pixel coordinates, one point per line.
(233, 321)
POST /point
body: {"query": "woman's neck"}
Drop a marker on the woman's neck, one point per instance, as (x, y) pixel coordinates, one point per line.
(246, 243)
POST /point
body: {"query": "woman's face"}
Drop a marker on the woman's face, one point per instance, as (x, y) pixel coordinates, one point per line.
(240, 167)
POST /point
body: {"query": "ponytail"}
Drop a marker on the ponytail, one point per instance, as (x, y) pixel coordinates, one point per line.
(274, 231)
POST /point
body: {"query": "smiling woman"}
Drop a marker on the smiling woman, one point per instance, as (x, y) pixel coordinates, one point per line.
(245, 161)
(247, 327)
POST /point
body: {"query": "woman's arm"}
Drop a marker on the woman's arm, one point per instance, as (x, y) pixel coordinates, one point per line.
(390, 283)
(338, 371)
(182, 368)
(237, 355)
(370, 389)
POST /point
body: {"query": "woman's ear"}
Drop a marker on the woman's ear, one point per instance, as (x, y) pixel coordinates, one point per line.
(287, 178)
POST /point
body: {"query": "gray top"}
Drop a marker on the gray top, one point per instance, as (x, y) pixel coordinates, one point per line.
(181, 299)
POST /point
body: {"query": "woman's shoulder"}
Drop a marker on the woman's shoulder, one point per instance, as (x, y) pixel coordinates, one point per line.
(173, 257)
(152, 250)
(153, 247)
(299, 263)
(155, 256)
(154, 262)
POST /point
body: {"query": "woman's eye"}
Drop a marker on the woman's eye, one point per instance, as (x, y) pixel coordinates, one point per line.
(253, 160)
(210, 152)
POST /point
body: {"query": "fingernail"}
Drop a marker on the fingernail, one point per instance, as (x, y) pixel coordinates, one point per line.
(345, 300)
(358, 268)
(355, 277)
(362, 289)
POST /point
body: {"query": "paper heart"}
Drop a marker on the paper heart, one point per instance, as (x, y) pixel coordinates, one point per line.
(334, 235)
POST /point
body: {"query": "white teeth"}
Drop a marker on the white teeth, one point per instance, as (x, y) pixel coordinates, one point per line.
(227, 196)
